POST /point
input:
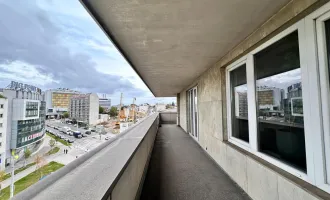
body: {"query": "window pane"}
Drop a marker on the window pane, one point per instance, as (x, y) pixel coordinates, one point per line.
(279, 102)
(239, 104)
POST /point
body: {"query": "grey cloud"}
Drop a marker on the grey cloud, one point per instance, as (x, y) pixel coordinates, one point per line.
(28, 34)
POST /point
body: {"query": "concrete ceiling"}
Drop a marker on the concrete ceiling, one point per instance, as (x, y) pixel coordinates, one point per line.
(170, 43)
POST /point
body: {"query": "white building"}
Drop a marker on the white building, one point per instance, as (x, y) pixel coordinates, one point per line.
(105, 103)
(22, 117)
(85, 108)
(3, 129)
(58, 100)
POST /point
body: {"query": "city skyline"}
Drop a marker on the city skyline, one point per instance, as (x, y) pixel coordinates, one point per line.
(52, 45)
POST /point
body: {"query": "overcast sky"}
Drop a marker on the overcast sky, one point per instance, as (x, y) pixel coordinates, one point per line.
(55, 43)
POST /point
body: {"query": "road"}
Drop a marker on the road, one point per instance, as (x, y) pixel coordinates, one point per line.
(86, 143)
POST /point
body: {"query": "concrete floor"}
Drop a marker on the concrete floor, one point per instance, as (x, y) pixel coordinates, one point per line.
(179, 169)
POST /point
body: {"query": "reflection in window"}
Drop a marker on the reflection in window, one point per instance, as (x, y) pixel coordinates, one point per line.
(279, 102)
(239, 104)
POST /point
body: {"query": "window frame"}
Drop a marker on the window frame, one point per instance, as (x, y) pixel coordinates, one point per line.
(252, 147)
(243, 144)
(318, 58)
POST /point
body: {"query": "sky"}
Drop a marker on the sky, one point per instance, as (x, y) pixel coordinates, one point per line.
(56, 44)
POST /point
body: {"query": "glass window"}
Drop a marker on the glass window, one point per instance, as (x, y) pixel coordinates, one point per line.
(1, 106)
(0, 124)
(239, 104)
(1, 115)
(279, 102)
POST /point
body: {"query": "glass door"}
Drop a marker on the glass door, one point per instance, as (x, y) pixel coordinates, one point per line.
(192, 112)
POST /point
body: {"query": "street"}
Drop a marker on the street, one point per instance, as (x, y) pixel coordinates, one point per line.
(86, 143)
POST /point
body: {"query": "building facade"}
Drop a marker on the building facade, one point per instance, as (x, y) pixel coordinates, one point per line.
(58, 101)
(85, 108)
(105, 103)
(3, 130)
(23, 118)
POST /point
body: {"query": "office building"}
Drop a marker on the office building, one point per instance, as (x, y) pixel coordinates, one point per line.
(105, 103)
(23, 109)
(58, 100)
(85, 108)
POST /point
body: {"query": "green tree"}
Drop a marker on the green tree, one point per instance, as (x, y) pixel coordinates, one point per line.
(101, 109)
(52, 143)
(113, 111)
(66, 115)
(173, 104)
(40, 162)
(27, 154)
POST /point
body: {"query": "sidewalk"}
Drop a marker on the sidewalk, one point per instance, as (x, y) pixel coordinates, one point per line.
(59, 157)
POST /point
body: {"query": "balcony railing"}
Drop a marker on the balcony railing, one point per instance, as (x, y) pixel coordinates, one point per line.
(114, 170)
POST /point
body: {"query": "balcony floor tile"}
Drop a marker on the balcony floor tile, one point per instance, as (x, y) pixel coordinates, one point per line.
(180, 169)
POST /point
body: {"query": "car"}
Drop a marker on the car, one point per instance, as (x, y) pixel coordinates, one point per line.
(93, 130)
(69, 123)
(86, 128)
(88, 132)
(70, 141)
(79, 136)
(83, 135)
(107, 138)
(70, 133)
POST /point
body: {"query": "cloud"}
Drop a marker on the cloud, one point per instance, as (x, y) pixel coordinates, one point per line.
(31, 38)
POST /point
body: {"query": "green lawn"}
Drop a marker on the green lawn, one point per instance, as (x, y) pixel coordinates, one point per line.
(19, 170)
(30, 179)
(58, 139)
(53, 151)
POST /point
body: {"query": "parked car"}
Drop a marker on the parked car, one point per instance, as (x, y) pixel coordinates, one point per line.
(79, 136)
(86, 128)
(70, 141)
(107, 138)
(93, 130)
(88, 132)
(83, 135)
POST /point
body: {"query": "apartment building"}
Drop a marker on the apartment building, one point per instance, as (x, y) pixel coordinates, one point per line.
(85, 108)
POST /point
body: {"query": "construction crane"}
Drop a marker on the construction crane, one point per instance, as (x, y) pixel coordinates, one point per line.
(132, 114)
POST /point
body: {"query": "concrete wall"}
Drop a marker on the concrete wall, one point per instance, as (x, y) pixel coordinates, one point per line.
(131, 181)
(168, 117)
(258, 180)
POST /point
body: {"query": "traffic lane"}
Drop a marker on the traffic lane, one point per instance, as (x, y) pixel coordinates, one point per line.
(59, 124)
(84, 142)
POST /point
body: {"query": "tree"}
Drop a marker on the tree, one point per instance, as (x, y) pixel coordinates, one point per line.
(40, 162)
(2, 177)
(101, 110)
(113, 111)
(27, 154)
(173, 104)
(167, 106)
(52, 143)
(66, 115)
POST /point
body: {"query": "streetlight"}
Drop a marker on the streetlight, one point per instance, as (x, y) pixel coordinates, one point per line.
(13, 157)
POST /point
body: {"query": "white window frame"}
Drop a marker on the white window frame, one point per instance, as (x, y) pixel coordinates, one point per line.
(252, 146)
(192, 125)
(245, 145)
(316, 41)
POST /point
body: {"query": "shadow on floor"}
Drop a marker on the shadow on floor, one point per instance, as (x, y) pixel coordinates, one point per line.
(180, 169)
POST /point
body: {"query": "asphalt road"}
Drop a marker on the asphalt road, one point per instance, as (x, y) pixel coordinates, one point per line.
(85, 143)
